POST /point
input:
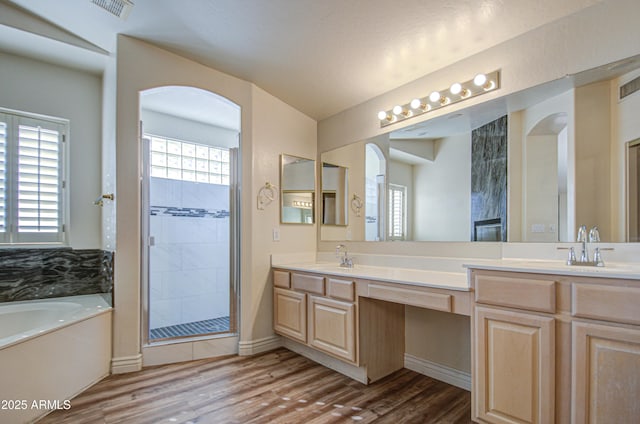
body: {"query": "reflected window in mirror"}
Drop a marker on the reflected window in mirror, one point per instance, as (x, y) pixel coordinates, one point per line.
(397, 212)
(335, 186)
(375, 181)
(297, 190)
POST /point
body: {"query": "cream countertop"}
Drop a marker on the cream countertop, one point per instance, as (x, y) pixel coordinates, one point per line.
(610, 270)
(416, 277)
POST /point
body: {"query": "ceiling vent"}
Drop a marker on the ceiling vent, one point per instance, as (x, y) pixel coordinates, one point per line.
(629, 88)
(119, 8)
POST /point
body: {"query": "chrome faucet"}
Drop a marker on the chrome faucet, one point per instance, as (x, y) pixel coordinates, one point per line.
(345, 260)
(592, 237)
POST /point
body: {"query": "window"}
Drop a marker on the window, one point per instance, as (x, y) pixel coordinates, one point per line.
(182, 160)
(397, 207)
(31, 178)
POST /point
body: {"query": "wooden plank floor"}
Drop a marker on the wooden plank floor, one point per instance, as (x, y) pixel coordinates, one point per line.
(274, 387)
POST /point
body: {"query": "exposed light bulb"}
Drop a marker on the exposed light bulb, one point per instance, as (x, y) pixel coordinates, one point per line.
(434, 97)
(397, 110)
(480, 79)
(382, 115)
(456, 88)
(415, 104)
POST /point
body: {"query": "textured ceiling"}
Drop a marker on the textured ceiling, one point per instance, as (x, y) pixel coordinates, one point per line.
(320, 56)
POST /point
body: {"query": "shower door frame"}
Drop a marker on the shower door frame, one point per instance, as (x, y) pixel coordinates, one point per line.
(234, 249)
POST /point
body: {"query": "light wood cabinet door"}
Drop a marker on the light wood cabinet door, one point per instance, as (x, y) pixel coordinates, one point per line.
(514, 367)
(290, 314)
(332, 327)
(606, 374)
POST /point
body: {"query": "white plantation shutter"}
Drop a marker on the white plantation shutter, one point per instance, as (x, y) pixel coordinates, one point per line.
(32, 181)
(397, 212)
(3, 179)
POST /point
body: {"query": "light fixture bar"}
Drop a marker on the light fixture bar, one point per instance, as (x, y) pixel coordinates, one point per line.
(457, 92)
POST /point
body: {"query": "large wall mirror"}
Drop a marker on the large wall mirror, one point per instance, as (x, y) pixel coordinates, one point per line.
(528, 167)
(297, 190)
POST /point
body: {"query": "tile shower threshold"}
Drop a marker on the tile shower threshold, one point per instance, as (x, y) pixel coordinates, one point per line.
(190, 329)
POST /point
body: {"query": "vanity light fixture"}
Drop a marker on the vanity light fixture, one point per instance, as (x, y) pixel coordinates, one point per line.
(457, 92)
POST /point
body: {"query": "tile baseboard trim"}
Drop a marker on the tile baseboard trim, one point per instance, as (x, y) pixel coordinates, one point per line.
(439, 372)
(125, 364)
(253, 347)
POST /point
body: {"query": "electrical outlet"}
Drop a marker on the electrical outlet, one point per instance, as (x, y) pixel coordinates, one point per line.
(276, 234)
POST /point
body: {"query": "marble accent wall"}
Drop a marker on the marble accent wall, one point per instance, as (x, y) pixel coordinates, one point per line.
(27, 274)
(489, 175)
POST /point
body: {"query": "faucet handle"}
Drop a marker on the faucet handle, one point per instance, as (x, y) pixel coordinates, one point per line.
(597, 257)
(594, 235)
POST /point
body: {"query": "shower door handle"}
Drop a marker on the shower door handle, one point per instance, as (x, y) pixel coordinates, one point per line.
(152, 241)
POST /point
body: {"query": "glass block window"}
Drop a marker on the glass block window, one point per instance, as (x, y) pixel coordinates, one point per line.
(186, 161)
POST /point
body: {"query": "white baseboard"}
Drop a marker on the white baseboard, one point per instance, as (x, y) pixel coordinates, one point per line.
(126, 364)
(253, 347)
(439, 372)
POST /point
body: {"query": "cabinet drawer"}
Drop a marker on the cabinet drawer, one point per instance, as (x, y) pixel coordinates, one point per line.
(341, 289)
(608, 303)
(281, 279)
(440, 302)
(521, 293)
(308, 283)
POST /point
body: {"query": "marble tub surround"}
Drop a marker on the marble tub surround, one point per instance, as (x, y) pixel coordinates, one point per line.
(27, 274)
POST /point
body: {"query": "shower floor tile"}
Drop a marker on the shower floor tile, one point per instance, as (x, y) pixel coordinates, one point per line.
(214, 325)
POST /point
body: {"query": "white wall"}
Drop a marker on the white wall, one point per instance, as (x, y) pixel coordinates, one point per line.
(443, 192)
(269, 127)
(157, 123)
(32, 86)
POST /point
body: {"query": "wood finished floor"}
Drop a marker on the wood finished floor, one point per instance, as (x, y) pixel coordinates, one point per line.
(275, 387)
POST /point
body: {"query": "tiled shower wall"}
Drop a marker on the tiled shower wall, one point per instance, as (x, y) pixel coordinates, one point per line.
(189, 259)
(27, 274)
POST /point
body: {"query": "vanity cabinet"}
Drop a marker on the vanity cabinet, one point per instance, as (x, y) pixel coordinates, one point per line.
(555, 348)
(332, 327)
(290, 314)
(605, 353)
(514, 355)
(318, 311)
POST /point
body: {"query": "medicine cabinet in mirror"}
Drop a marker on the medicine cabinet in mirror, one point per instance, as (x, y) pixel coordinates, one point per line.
(297, 190)
(528, 167)
(335, 186)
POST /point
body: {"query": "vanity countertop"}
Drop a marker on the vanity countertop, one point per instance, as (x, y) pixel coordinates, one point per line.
(610, 270)
(415, 277)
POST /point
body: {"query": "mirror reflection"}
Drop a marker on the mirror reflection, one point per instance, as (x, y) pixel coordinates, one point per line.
(335, 186)
(529, 167)
(297, 190)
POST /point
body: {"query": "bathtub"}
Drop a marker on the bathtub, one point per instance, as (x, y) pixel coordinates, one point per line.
(51, 350)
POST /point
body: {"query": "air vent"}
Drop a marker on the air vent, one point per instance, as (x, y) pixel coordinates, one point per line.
(629, 88)
(118, 8)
